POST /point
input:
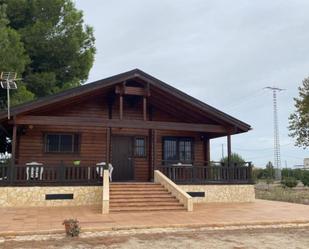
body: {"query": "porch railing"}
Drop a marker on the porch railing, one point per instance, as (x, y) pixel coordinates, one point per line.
(21, 175)
(207, 172)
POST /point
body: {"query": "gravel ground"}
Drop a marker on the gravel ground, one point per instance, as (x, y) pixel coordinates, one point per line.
(170, 238)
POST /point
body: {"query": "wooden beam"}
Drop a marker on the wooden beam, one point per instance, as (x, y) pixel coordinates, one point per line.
(207, 149)
(120, 107)
(131, 90)
(14, 138)
(229, 149)
(145, 108)
(110, 102)
(150, 153)
(134, 124)
(108, 144)
(154, 134)
(150, 112)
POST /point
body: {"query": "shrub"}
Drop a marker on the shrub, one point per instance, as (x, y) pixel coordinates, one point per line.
(289, 182)
(72, 227)
(305, 178)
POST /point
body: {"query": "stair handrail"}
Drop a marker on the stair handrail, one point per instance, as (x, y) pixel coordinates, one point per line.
(174, 189)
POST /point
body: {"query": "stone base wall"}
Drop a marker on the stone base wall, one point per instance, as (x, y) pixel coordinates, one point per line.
(35, 196)
(222, 193)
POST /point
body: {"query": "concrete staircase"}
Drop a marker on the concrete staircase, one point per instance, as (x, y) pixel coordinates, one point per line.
(136, 197)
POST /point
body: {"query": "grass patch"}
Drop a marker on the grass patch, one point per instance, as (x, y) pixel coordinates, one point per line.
(279, 193)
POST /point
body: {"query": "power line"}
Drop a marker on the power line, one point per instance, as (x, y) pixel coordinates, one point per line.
(243, 100)
(260, 149)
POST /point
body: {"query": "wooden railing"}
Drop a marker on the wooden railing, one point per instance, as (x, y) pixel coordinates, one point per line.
(207, 173)
(50, 175)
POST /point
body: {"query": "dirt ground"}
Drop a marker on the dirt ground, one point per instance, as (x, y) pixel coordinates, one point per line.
(169, 238)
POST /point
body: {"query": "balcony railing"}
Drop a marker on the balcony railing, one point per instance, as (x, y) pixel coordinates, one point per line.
(43, 175)
(207, 172)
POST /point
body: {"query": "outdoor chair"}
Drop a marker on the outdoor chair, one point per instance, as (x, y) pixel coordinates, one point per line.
(100, 169)
(34, 171)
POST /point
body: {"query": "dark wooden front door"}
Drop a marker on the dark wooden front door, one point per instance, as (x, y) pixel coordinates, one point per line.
(122, 160)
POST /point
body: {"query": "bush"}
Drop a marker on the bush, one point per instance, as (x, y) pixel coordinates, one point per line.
(289, 182)
(305, 178)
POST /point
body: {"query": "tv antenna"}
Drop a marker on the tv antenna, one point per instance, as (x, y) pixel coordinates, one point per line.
(8, 82)
(277, 155)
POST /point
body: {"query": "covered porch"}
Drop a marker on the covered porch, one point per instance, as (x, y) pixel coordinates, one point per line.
(161, 144)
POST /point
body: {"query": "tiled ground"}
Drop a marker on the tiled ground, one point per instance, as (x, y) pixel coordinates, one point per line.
(39, 220)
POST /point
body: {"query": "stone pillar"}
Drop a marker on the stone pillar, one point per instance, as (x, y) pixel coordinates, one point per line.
(105, 198)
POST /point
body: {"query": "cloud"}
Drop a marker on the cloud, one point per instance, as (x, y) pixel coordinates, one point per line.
(221, 52)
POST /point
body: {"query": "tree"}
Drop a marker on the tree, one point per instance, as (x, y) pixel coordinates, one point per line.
(13, 57)
(299, 120)
(234, 159)
(269, 171)
(305, 178)
(58, 43)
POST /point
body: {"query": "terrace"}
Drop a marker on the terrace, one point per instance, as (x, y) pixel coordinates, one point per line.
(82, 175)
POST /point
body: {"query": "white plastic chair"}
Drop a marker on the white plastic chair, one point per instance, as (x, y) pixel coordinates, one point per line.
(34, 171)
(100, 169)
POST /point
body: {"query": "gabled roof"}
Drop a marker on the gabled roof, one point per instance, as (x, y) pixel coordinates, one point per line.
(136, 73)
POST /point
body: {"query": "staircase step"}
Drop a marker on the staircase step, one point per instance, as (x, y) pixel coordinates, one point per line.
(137, 197)
(146, 204)
(137, 191)
(145, 209)
(134, 197)
(135, 184)
(130, 188)
(132, 183)
(137, 200)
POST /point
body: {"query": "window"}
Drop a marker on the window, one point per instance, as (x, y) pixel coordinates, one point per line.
(61, 143)
(177, 149)
(140, 147)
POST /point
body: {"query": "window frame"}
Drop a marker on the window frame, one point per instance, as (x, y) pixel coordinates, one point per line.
(135, 146)
(178, 140)
(74, 146)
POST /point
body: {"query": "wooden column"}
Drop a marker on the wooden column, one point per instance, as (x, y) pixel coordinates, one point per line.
(154, 150)
(110, 102)
(207, 150)
(229, 149)
(14, 139)
(108, 145)
(120, 107)
(150, 153)
(145, 108)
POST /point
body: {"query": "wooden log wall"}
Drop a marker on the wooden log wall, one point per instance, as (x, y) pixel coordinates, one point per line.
(93, 139)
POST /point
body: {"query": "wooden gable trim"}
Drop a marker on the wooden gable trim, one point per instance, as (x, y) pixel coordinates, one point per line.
(135, 124)
(136, 73)
(219, 115)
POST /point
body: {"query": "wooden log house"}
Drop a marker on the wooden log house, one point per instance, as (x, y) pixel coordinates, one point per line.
(132, 120)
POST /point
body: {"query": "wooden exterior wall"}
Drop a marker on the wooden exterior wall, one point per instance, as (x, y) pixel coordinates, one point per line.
(93, 145)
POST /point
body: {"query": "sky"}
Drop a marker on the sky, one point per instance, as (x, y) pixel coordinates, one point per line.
(221, 52)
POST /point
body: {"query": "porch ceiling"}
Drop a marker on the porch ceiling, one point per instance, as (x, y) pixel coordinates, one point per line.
(98, 122)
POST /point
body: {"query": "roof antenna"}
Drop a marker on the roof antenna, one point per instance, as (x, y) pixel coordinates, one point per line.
(8, 82)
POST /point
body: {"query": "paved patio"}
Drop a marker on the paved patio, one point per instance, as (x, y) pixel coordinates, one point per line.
(49, 220)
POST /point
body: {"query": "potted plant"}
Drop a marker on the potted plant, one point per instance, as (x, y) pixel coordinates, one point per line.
(72, 227)
(76, 162)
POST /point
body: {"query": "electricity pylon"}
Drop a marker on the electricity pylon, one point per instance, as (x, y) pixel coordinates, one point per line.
(277, 156)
